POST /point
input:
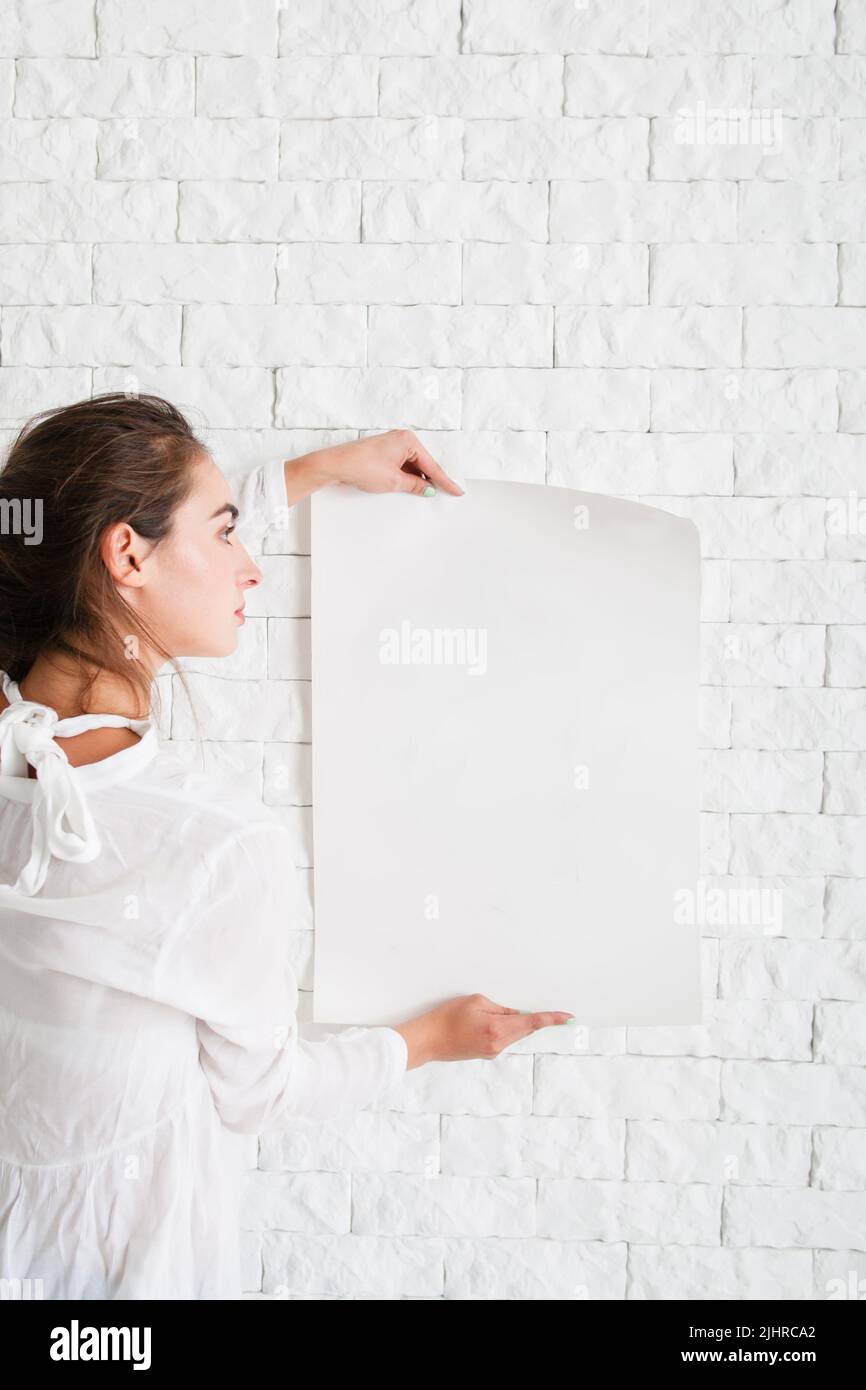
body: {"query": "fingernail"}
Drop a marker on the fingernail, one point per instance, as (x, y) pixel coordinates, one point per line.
(429, 492)
(570, 1019)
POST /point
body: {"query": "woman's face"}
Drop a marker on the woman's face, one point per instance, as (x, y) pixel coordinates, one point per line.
(191, 586)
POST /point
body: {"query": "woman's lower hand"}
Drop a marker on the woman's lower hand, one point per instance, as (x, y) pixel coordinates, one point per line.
(392, 462)
(470, 1026)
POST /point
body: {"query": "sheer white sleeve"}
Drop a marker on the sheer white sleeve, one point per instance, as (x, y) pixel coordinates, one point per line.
(227, 963)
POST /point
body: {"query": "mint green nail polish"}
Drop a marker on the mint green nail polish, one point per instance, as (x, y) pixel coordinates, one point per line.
(429, 492)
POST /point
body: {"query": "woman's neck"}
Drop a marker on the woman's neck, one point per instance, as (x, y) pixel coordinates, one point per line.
(55, 680)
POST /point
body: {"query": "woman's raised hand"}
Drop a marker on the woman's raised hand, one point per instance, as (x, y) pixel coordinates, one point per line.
(392, 462)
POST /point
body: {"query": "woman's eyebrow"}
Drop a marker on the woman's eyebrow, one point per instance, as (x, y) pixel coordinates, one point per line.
(226, 507)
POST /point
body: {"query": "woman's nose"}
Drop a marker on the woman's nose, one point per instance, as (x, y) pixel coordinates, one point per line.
(251, 574)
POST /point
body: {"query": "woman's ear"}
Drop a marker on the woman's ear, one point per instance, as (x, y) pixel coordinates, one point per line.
(123, 552)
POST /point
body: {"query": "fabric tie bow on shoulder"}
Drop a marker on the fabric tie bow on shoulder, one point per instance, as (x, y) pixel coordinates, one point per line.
(62, 822)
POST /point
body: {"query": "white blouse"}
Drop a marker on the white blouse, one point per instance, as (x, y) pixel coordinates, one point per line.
(147, 1004)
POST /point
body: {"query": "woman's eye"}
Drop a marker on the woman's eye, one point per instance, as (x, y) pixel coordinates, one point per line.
(227, 532)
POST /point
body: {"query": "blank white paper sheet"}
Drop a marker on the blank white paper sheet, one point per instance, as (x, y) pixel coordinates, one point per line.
(505, 754)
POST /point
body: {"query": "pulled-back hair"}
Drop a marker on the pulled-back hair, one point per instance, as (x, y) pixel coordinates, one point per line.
(110, 458)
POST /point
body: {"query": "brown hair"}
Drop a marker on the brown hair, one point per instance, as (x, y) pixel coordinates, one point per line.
(114, 457)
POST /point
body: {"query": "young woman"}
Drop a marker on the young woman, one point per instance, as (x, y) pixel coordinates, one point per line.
(147, 1003)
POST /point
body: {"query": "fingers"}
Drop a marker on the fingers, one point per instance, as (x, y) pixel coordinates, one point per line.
(490, 1008)
(416, 454)
(535, 1019)
(531, 1022)
(410, 482)
(437, 474)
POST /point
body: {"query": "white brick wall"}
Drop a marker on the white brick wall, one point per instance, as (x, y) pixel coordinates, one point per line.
(503, 225)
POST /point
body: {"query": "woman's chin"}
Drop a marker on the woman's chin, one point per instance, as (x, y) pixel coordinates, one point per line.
(225, 646)
(231, 643)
